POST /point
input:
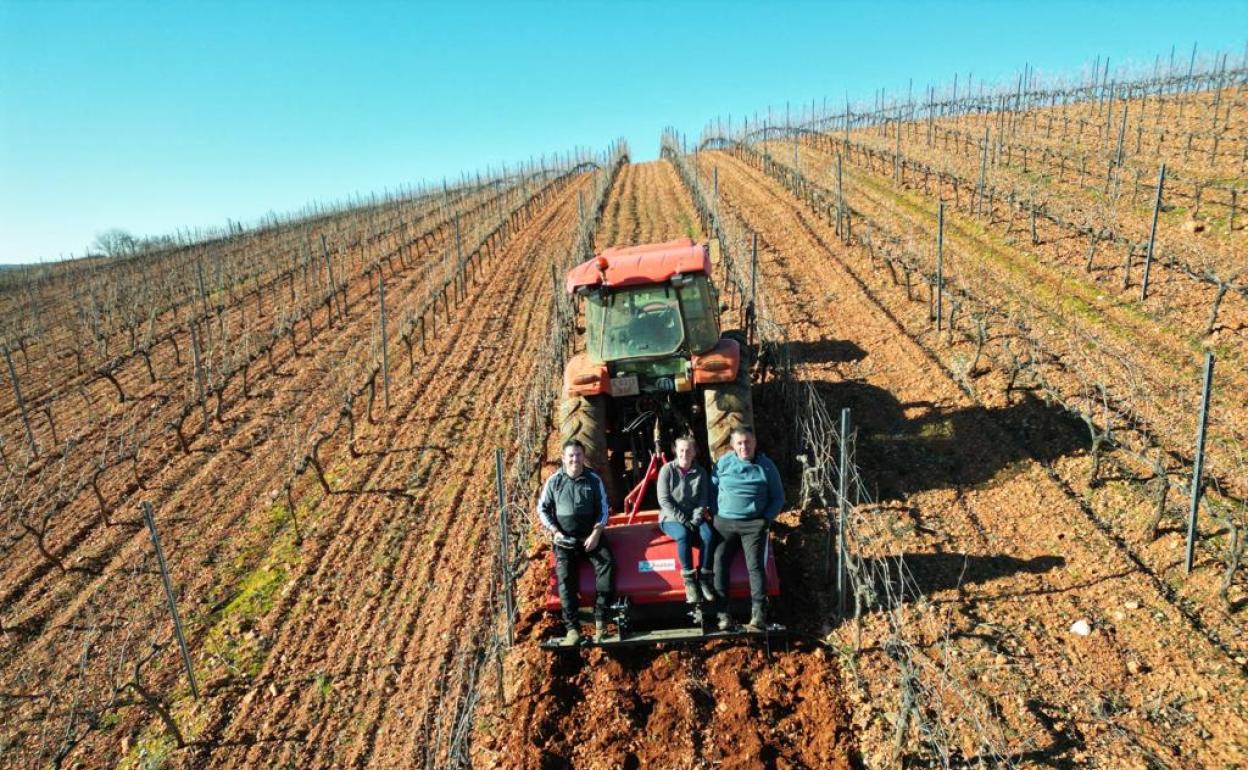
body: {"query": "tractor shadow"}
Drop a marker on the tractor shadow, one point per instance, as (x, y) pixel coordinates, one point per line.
(825, 351)
(903, 448)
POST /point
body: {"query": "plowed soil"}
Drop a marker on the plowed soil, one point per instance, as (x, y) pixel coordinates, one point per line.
(1004, 550)
(343, 647)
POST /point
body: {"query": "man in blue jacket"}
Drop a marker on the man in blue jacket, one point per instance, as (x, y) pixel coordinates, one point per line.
(749, 496)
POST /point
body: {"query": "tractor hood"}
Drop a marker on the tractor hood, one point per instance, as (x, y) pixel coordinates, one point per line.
(641, 265)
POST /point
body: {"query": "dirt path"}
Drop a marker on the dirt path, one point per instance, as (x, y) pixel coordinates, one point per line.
(1004, 550)
(646, 205)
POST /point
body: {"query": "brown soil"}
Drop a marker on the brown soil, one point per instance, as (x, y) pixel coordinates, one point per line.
(1005, 553)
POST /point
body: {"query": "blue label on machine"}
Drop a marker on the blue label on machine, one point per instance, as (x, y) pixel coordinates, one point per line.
(656, 565)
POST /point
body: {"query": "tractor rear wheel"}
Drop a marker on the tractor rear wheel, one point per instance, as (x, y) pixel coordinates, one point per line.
(585, 418)
(728, 405)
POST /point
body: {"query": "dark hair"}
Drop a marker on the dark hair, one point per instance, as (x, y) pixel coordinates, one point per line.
(741, 430)
(684, 437)
(570, 443)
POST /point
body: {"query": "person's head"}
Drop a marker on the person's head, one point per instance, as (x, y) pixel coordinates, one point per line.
(685, 449)
(743, 442)
(573, 457)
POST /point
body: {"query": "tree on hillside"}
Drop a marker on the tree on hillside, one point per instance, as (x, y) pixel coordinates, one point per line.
(115, 243)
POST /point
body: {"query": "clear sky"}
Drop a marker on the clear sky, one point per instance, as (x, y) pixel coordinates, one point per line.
(148, 116)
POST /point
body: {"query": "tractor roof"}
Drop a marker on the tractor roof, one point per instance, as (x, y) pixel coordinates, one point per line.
(640, 265)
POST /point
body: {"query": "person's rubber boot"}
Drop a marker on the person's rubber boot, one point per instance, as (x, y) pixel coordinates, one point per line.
(706, 584)
(758, 617)
(693, 594)
(573, 634)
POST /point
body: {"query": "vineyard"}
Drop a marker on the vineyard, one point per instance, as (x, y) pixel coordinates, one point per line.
(251, 512)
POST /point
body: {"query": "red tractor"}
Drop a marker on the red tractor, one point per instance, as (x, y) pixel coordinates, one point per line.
(655, 365)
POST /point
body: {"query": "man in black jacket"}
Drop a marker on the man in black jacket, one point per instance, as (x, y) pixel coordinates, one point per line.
(573, 509)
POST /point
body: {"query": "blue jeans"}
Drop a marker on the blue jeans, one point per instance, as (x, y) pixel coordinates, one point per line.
(703, 538)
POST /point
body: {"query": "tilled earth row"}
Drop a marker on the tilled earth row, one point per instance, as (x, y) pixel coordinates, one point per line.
(232, 547)
(1005, 555)
(367, 628)
(1157, 362)
(81, 533)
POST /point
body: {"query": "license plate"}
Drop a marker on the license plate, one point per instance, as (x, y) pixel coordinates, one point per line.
(624, 386)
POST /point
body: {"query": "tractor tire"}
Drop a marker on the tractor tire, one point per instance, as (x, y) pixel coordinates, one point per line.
(585, 418)
(728, 405)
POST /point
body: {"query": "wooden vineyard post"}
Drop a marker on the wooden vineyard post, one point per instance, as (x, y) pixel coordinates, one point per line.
(1152, 233)
(842, 495)
(333, 285)
(459, 252)
(173, 605)
(897, 156)
(1198, 465)
(385, 356)
(751, 312)
(1122, 131)
(21, 403)
(983, 172)
(199, 279)
(846, 228)
(199, 372)
(504, 544)
(940, 262)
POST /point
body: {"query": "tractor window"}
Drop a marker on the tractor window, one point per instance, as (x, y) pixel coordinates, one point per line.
(697, 300)
(635, 323)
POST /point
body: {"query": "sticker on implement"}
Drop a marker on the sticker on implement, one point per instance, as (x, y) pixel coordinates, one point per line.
(656, 565)
(624, 386)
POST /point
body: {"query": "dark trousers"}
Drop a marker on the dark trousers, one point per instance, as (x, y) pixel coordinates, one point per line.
(566, 562)
(751, 536)
(702, 538)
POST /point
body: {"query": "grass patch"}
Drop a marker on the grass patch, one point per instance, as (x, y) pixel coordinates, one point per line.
(232, 642)
(1059, 294)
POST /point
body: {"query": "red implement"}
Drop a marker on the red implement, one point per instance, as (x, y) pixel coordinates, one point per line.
(632, 501)
(647, 569)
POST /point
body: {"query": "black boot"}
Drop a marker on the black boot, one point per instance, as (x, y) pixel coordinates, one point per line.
(693, 594)
(706, 584)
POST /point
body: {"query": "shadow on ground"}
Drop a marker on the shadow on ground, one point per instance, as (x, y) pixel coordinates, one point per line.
(907, 447)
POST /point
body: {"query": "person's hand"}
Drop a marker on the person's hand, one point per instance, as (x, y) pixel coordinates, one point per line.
(591, 542)
(706, 513)
(563, 541)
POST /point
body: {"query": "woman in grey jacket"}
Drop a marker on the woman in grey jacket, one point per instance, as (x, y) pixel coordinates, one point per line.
(684, 510)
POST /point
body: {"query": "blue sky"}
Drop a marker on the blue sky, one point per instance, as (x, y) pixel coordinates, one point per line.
(149, 116)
